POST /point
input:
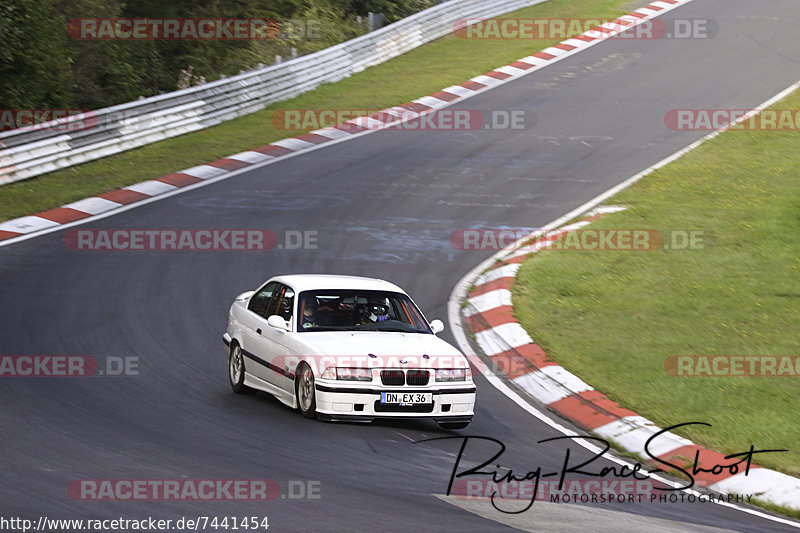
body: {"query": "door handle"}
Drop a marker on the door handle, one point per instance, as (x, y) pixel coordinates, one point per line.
(258, 331)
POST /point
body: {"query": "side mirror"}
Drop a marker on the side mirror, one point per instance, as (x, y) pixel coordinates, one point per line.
(245, 295)
(437, 326)
(278, 323)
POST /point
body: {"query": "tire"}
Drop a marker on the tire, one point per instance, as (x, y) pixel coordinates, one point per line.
(305, 391)
(236, 370)
(453, 425)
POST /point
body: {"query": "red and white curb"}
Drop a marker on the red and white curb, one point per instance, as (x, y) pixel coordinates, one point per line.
(489, 314)
(104, 204)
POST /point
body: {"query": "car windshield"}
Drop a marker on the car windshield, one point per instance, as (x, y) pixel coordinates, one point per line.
(353, 310)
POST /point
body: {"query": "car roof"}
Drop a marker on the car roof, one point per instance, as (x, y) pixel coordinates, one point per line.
(310, 282)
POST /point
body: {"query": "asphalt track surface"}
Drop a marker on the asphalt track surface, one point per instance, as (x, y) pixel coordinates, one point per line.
(384, 205)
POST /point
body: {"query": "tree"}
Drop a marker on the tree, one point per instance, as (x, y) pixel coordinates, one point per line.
(35, 64)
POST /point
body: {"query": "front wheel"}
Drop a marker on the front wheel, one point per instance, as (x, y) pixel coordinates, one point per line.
(305, 391)
(236, 370)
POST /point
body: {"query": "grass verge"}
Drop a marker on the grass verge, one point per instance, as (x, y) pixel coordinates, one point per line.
(614, 317)
(422, 71)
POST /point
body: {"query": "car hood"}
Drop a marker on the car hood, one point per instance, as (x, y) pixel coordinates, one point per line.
(381, 344)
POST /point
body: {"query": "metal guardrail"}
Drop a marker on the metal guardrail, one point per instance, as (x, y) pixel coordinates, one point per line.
(30, 152)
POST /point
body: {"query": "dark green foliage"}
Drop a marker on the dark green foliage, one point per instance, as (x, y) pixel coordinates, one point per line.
(41, 66)
(35, 65)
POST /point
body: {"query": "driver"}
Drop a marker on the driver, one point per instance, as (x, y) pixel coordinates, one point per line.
(374, 313)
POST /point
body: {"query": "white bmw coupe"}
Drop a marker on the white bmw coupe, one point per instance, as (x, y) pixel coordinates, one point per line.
(346, 348)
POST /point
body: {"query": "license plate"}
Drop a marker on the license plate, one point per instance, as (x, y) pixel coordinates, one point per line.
(408, 398)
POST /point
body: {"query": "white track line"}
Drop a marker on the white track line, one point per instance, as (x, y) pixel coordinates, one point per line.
(461, 291)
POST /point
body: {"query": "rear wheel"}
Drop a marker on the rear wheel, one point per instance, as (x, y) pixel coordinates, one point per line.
(305, 391)
(236, 370)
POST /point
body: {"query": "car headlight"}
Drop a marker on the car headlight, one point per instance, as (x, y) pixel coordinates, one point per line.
(453, 374)
(347, 374)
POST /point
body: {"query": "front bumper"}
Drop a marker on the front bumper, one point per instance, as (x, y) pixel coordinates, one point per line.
(453, 404)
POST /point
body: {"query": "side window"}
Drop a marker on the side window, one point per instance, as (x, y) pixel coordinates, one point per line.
(281, 303)
(261, 300)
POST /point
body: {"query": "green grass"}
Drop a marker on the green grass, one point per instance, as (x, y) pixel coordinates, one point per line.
(779, 509)
(427, 69)
(613, 318)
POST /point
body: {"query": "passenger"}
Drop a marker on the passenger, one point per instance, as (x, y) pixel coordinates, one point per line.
(309, 319)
